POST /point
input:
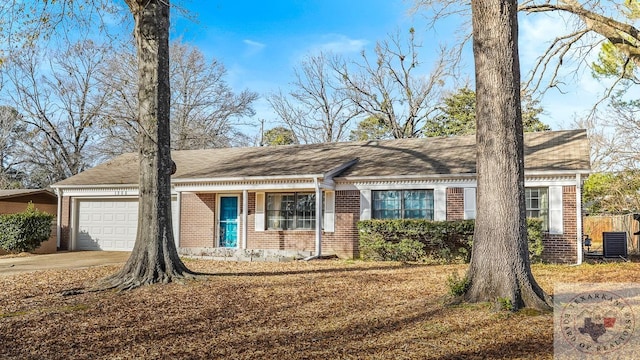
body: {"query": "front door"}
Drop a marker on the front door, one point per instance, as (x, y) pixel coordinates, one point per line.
(228, 221)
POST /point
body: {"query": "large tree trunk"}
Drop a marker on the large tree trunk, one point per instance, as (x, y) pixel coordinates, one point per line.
(154, 257)
(500, 271)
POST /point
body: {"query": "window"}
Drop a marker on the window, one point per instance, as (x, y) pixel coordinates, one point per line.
(403, 204)
(537, 203)
(288, 211)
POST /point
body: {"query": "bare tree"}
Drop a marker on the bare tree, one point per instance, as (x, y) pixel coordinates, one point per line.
(59, 97)
(500, 270)
(388, 88)
(205, 111)
(591, 18)
(613, 134)
(120, 123)
(204, 106)
(11, 129)
(316, 109)
(591, 26)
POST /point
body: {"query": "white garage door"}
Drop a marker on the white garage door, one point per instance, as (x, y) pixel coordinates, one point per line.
(107, 224)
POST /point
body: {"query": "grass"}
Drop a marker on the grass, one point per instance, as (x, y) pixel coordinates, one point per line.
(327, 309)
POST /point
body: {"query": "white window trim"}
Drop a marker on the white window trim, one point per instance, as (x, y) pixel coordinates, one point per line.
(365, 204)
(440, 204)
(469, 195)
(328, 222)
(555, 210)
(259, 217)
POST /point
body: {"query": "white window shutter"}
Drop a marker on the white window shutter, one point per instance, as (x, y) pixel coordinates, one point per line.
(440, 204)
(329, 211)
(469, 203)
(259, 216)
(365, 204)
(555, 210)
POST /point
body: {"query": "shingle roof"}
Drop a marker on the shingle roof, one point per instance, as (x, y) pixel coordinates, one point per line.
(544, 151)
(8, 194)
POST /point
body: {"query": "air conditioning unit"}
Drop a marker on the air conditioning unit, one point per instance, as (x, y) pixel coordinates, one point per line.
(614, 244)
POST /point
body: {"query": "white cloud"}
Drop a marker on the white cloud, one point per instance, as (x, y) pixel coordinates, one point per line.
(253, 47)
(339, 44)
(536, 33)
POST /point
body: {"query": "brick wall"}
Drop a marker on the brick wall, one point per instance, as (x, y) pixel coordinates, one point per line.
(65, 225)
(197, 220)
(455, 204)
(343, 242)
(561, 248)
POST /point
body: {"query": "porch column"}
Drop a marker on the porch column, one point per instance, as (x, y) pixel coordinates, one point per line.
(58, 218)
(579, 217)
(318, 218)
(245, 216)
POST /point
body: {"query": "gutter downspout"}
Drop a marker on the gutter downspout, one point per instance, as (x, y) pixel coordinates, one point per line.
(318, 253)
(579, 218)
(59, 218)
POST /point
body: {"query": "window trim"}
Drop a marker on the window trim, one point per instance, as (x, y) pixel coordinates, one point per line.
(294, 219)
(543, 211)
(402, 209)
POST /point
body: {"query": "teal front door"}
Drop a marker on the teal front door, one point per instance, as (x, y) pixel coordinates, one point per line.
(228, 221)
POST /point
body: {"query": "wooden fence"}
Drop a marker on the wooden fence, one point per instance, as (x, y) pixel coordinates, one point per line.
(594, 226)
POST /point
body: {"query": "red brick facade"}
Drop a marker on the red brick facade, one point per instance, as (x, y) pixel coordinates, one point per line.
(198, 220)
(558, 248)
(455, 204)
(342, 242)
(561, 248)
(65, 219)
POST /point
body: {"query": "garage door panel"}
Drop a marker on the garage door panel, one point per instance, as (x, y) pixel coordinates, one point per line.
(104, 224)
(109, 224)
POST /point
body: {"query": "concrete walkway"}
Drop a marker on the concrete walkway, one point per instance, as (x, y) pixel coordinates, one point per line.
(60, 260)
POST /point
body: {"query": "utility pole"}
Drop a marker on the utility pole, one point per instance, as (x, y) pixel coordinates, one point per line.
(261, 132)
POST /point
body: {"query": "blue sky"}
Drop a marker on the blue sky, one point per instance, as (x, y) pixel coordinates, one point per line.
(260, 42)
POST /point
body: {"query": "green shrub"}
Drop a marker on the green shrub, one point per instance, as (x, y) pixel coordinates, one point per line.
(457, 285)
(535, 234)
(24, 231)
(442, 241)
(376, 248)
(505, 304)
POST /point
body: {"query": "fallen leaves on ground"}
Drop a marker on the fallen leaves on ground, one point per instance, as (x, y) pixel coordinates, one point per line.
(328, 309)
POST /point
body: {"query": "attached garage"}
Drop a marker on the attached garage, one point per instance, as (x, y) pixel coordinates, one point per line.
(109, 224)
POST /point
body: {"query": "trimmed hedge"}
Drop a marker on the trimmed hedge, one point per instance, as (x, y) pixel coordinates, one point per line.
(414, 240)
(420, 240)
(24, 231)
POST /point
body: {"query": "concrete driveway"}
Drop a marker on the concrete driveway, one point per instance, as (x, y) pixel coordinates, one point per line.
(60, 260)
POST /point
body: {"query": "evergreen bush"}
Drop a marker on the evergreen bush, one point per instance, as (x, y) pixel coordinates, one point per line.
(418, 240)
(24, 231)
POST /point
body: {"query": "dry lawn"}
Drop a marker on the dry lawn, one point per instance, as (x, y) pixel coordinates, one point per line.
(326, 309)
